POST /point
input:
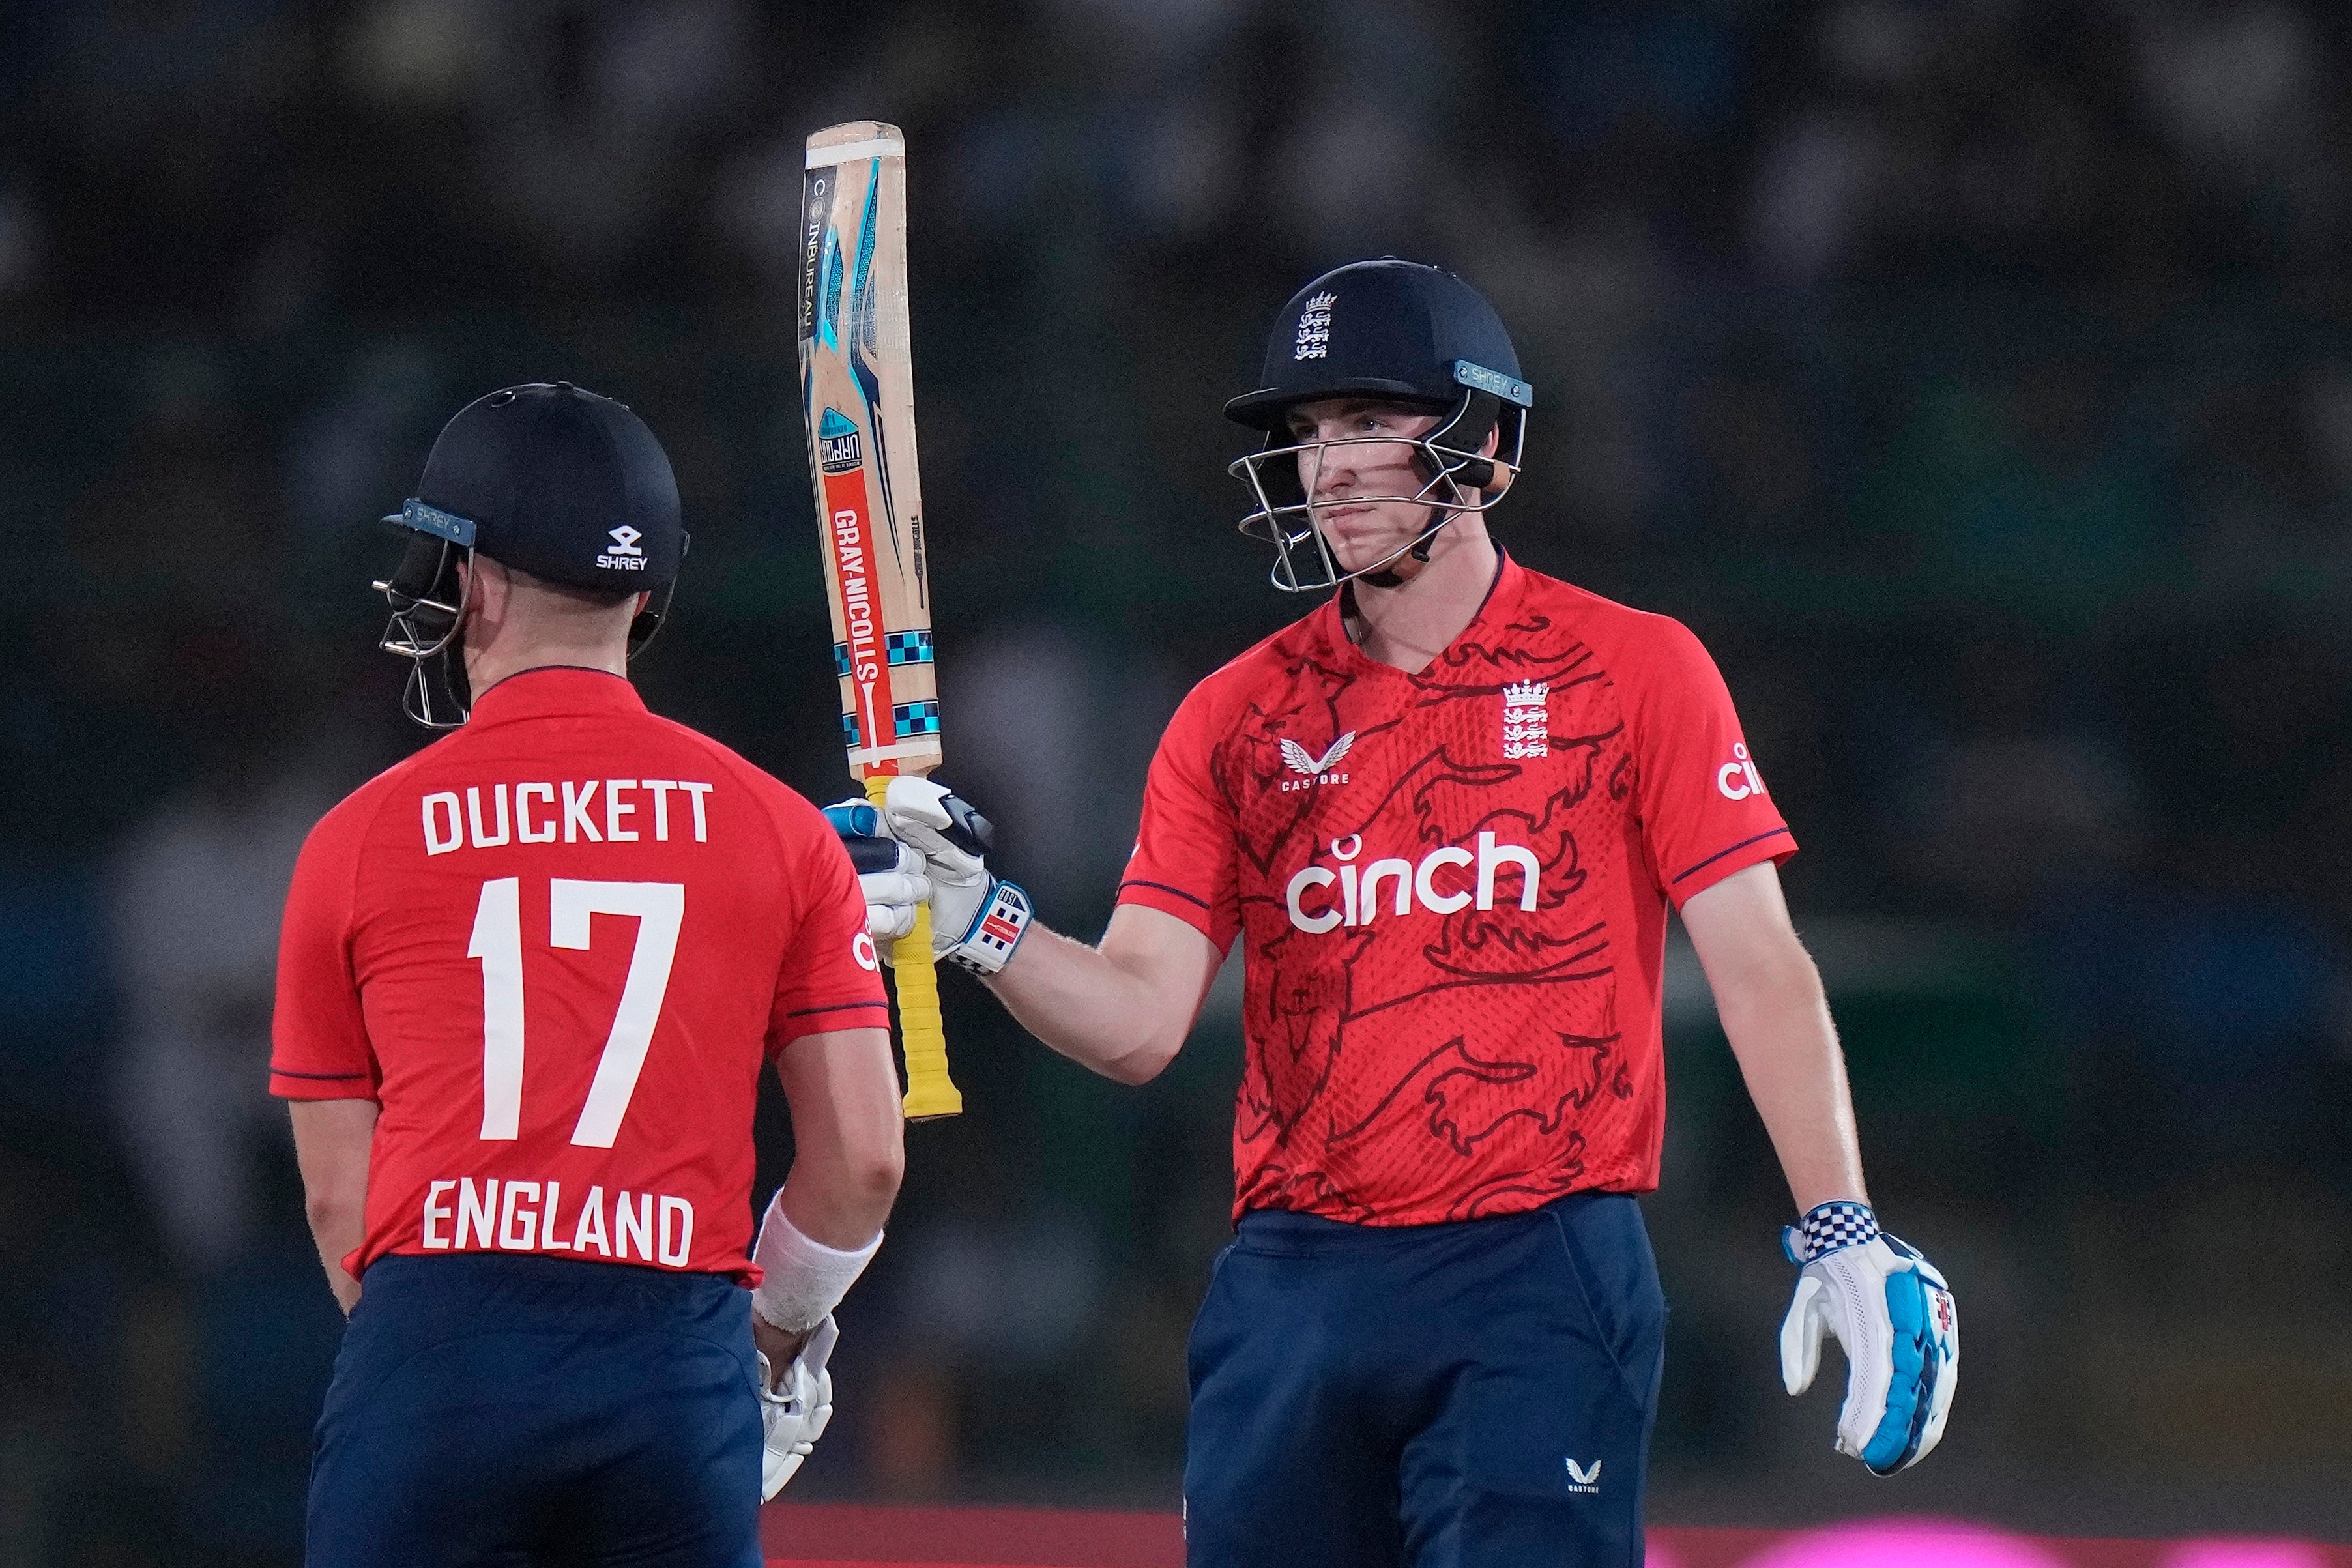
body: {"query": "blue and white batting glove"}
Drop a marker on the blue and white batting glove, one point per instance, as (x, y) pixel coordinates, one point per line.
(1892, 1315)
(937, 854)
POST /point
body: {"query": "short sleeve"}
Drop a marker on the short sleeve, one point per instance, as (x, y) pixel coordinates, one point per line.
(319, 1043)
(1185, 858)
(831, 977)
(1706, 813)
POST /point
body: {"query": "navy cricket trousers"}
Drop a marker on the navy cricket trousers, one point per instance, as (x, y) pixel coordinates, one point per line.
(1445, 1395)
(524, 1411)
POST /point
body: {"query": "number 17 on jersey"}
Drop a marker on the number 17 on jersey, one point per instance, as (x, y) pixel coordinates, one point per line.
(857, 399)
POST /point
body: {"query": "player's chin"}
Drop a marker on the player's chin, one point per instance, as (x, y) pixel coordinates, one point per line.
(1358, 536)
(1363, 552)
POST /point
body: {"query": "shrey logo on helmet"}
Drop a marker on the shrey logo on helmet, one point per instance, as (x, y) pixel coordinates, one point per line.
(1407, 885)
(626, 555)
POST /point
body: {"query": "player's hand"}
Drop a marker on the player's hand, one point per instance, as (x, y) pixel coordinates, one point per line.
(795, 1406)
(890, 874)
(977, 917)
(1892, 1314)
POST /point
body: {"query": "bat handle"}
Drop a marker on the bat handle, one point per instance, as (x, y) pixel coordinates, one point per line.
(930, 1092)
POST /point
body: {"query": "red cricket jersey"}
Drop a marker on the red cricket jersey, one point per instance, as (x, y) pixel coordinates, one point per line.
(557, 947)
(1452, 891)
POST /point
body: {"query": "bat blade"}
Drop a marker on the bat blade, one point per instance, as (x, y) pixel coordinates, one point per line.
(857, 403)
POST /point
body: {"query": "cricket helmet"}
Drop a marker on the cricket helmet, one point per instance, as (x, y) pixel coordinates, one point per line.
(545, 477)
(1397, 331)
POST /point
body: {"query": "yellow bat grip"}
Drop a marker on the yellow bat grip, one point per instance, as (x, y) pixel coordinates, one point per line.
(922, 1036)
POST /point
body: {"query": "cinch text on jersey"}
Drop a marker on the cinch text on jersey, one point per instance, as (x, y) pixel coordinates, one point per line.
(531, 1216)
(598, 811)
(1358, 898)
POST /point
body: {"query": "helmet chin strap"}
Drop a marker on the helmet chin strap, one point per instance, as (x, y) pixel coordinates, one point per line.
(1409, 565)
(1404, 569)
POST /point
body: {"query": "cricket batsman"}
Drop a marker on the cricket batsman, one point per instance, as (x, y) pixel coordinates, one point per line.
(1446, 815)
(526, 984)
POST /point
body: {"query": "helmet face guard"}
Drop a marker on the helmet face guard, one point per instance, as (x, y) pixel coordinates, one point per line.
(428, 597)
(1456, 478)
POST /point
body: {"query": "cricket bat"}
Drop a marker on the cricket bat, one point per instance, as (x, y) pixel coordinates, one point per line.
(857, 397)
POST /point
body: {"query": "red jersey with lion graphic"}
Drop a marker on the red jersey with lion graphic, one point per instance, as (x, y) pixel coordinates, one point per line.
(1452, 891)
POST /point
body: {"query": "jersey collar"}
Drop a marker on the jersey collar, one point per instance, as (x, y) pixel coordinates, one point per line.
(1502, 596)
(554, 690)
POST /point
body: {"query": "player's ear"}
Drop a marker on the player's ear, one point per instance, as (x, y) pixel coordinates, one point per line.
(487, 586)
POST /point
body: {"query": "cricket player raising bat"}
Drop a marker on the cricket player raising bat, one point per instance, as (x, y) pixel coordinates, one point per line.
(1446, 815)
(526, 984)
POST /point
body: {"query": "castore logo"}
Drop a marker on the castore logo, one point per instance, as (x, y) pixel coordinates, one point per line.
(1317, 770)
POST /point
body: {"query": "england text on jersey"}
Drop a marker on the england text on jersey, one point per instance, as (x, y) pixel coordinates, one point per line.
(462, 1214)
(1454, 946)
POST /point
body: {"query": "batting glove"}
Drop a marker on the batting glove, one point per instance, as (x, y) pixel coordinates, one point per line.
(889, 874)
(977, 917)
(794, 1408)
(1894, 1317)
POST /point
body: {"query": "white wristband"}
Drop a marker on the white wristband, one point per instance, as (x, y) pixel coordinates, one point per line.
(805, 1280)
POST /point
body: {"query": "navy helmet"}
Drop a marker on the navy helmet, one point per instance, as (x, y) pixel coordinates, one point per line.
(552, 480)
(1398, 331)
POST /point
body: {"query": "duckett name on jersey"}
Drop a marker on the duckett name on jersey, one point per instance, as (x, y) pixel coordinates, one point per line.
(1360, 887)
(521, 1215)
(597, 811)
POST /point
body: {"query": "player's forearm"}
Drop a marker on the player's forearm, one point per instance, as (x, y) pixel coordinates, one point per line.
(841, 1205)
(848, 1145)
(333, 1141)
(1778, 1020)
(337, 1229)
(1086, 1004)
(1121, 1009)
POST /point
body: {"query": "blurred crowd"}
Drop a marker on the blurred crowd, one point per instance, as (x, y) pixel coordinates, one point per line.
(1974, 375)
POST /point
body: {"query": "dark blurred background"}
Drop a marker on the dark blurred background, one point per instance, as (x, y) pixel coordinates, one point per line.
(1975, 376)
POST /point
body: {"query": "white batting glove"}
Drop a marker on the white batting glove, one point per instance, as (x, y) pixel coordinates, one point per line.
(977, 917)
(794, 1408)
(889, 874)
(1894, 1317)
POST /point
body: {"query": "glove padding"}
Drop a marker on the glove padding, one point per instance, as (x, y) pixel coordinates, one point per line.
(1893, 1316)
(794, 1410)
(977, 918)
(889, 874)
